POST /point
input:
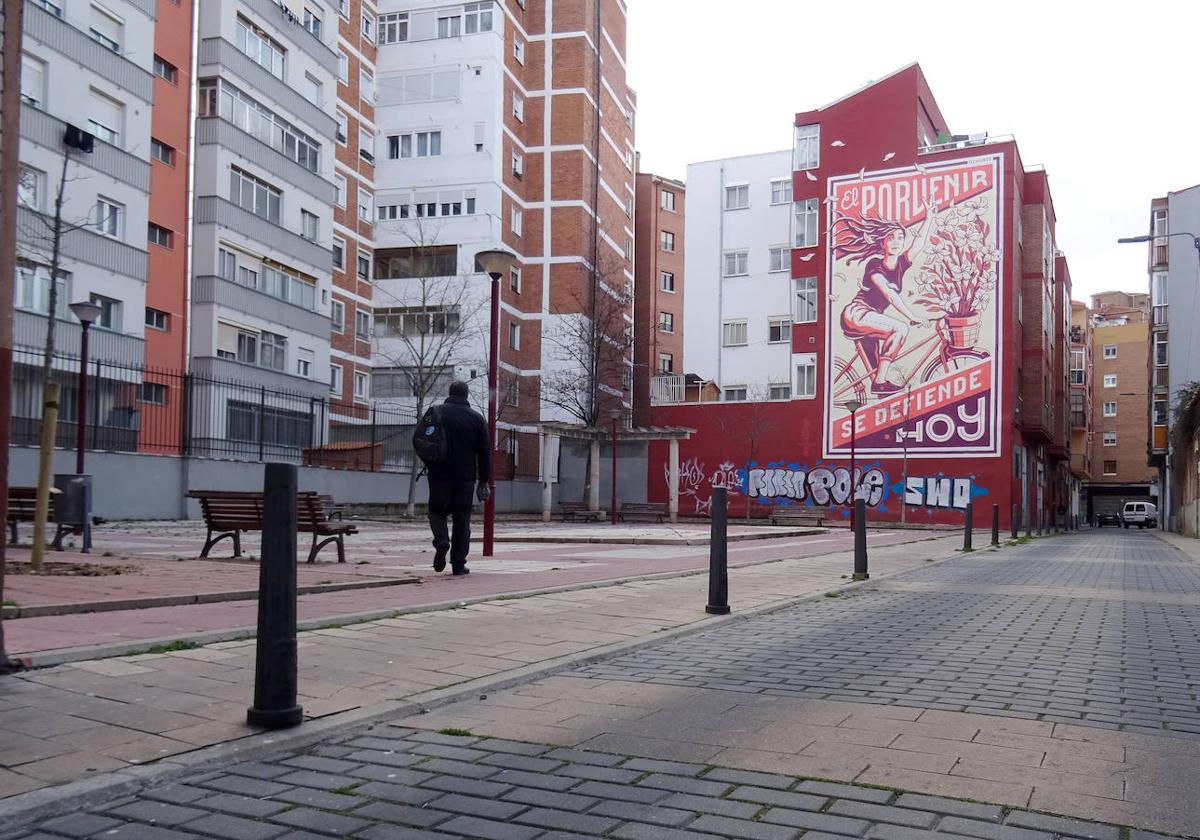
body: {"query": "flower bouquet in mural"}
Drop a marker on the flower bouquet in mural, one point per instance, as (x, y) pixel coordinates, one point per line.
(960, 272)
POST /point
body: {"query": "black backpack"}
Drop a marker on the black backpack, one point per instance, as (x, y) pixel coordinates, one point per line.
(429, 438)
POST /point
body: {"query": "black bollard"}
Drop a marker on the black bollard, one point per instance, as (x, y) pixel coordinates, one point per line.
(995, 524)
(1028, 525)
(968, 526)
(1015, 523)
(275, 678)
(718, 568)
(860, 540)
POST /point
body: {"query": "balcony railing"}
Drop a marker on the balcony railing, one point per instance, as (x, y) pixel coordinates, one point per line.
(1162, 377)
(1158, 315)
(665, 390)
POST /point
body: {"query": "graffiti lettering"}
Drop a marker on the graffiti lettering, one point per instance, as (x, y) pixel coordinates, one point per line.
(823, 485)
(938, 492)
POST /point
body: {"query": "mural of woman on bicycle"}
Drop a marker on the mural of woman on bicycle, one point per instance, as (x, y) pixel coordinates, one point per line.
(886, 248)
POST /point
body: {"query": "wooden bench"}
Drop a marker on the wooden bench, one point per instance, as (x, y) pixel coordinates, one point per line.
(333, 508)
(229, 513)
(22, 502)
(799, 515)
(578, 511)
(647, 511)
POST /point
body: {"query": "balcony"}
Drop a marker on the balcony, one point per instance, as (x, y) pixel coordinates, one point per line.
(274, 12)
(39, 127)
(211, 209)
(666, 390)
(1078, 419)
(82, 244)
(29, 331)
(1158, 317)
(209, 288)
(80, 47)
(218, 131)
(1162, 377)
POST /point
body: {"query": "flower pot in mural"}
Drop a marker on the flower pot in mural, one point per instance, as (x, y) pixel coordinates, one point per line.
(963, 330)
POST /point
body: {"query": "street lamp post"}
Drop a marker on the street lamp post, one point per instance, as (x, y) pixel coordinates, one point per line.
(853, 406)
(86, 312)
(495, 264)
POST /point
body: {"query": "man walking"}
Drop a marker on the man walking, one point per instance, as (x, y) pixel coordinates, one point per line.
(465, 470)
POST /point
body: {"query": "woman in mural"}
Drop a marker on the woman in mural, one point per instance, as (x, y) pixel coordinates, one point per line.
(883, 244)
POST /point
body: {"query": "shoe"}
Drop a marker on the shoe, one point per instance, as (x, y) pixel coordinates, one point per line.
(885, 388)
(439, 560)
(461, 570)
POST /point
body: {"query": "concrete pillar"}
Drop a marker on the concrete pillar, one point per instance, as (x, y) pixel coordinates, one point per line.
(594, 492)
(673, 481)
(547, 486)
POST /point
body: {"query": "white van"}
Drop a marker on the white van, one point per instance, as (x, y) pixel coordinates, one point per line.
(1141, 514)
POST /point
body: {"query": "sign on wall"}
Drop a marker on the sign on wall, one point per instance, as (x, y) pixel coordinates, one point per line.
(915, 285)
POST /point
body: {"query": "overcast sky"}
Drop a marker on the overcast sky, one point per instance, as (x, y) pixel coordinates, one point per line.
(1105, 96)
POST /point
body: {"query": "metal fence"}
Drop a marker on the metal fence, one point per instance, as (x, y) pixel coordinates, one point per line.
(171, 412)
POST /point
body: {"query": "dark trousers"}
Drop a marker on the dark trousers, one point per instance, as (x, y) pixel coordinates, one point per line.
(451, 499)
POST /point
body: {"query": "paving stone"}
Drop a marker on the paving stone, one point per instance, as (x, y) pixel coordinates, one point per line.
(742, 828)
(594, 773)
(259, 770)
(321, 764)
(404, 794)
(604, 790)
(515, 747)
(321, 821)
(650, 765)
(567, 820)
(157, 813)
(683, 784)
(902, 832)
(412, 815)
(785, 799)
(142, 831)
(835, 790)
(243, 806)
(440, 738)
(459, 768)
(551, 799)
(467, 787)
(708, 805)
(176, 794)
(638, 812)
(883, 813)
(585, 757)
(246, 786)
(234, 828)
(390, 775)
(489, 829)
(391, 832)
(537, 780)
(746, 777)
(941, 805)
(447, 751)
(80, 825)
(323, 799)
(474, 806)
(641, 831)
(817, 821)
(313, 779)
(522, 762)
(1061, 825)
(990, 830)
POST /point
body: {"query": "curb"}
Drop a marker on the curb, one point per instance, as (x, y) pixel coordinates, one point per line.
(781, 533)
(41, 804)
(62, 656)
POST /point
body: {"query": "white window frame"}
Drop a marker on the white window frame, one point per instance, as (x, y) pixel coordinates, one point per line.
(806, 217)
(110, 218)
(514, 335)
(392, 28)
(518, 107)
(1110, 351)
(339, 244)
(514, 280)
(343, 67)
(516, 220)
(806, 147)
(734, 393)
(1110, 438)
(666, 282)
(337, 316)
(339, 181)
(368, 26)
(737, 197)
(666, 322)
(366, 86)
(1110, 380)
(518, 50)
(666, 238)
(804, 300)
(781, 192)
(33, 92)
(784, 325)
(1110, 409)
(773, 389)
(735, 263)
(366, 206)
(666, 201)
(735, 333)
(362, 386)
(31, 188)
(804, 384)
(518, 165)
(666, 363)
(336, 377)
(779, 258)
(342, 135)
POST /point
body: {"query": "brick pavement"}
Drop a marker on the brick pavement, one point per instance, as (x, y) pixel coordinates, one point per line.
(74, 721)
(395, 782)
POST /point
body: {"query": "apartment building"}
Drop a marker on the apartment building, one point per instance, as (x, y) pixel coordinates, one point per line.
(504, 125)
(1173, 265)
(912, 377)
(263, 218)
(85, 123)
(659, 249)
(1080, 407)
(1121, 399)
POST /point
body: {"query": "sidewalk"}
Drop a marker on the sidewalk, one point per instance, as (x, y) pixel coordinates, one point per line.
(69, 722)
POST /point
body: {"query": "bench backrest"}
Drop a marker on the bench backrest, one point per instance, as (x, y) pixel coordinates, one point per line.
(229, 510)
(23, 500)
(311, 509)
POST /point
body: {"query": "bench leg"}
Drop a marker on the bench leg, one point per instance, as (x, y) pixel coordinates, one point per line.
(341, 544)
(59, 532)
(316, 547)
(210, 541)
(13, 525)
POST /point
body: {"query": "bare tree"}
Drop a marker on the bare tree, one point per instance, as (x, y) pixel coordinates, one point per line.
(428, 325)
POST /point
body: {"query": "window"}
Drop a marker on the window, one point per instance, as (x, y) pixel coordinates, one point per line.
(1160, 350)
(335, 379)
(33, 289)
(806, 375)
(56, 10)
(31, 187)
(254, 194)
(779, 330)
(423, 143)
(779, 392)
(273, 351)
(343, 67)
(219, 98)
(310, 226)
(368, 26)
(393, 28)
(157, 319)
(106, 29)
(666, 200)
(152, 393)
(514, 335)
(666, 362)
(518, 50)
(806, 223)
(1160, 412)
(666, 281)
(807, 154)
(733, 334)
(166, 70)
(518, 108)
(514, 280)
(227, 266)
(1110, 438)
(261, 48)
(107, 119)
(667, 240)
(362, 324)
(110, 217)
(735, 393)
(339, 253)
(310, 89)
(449, 26)
(516, 220)
(805, 300)
(477, 17)
(342, 134)
(312, 21)
(366, 86)
(304, 363)
(736, 263)
(1110, 380)
(365, 205)
(1078, 374)
(1110, 467)
(1110, 409)
(364, 265)
(518, 164)
(362, 386)
(110, 312)
(413, 321)
(780, 258)
(1110, 351)
(781, 191)
(337, 316)
(666, 322)
(33, 81)
(161, 152)
(512, 393)
(339, 181)
(737, 197)
(366, 144)
(159, 235)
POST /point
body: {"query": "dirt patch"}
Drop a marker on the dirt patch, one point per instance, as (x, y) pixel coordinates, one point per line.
(71, 569)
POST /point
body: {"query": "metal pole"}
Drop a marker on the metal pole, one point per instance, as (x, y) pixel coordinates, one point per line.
(612, 512)
(275, 671)
(968, 527)
(489, 506)
(860, 540)
(81, 414)
(262, 420)
(96, 406)
(1014, 524)
(995, 524)
(718, 555)
(373, 432)
(853, 467)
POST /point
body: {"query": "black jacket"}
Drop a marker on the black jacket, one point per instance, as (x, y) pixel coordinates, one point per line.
(469, 457)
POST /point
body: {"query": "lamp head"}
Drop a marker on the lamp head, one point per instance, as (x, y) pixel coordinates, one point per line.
(852, 405)
(495, 263)
(85, 311)
(1129, 240)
